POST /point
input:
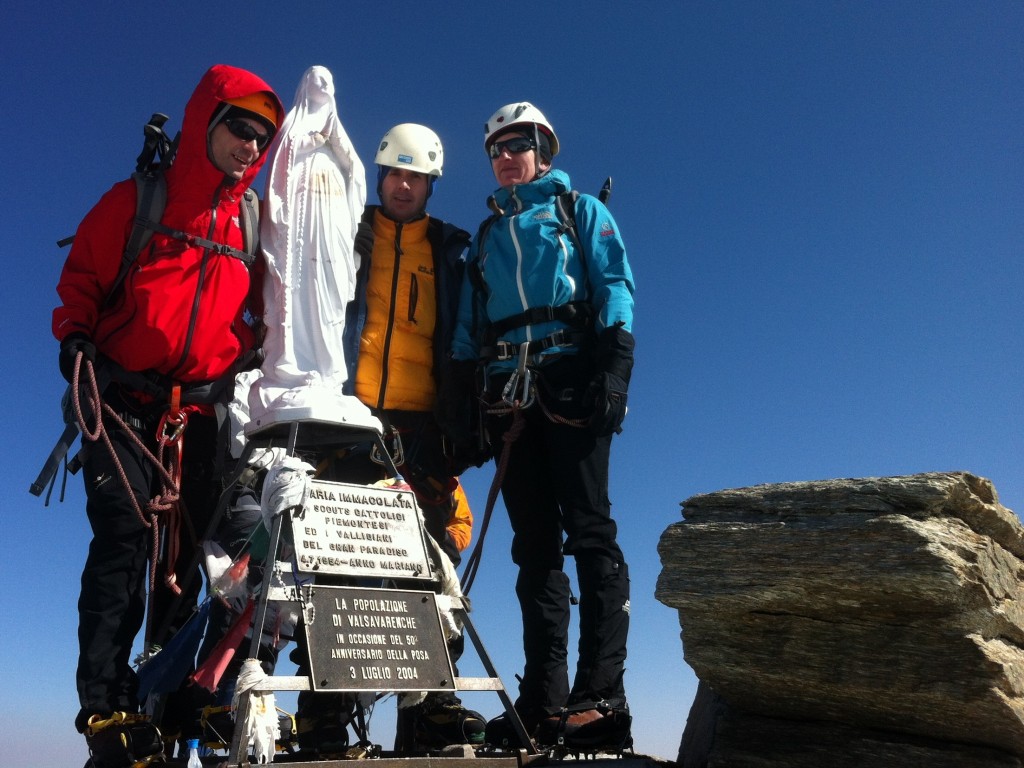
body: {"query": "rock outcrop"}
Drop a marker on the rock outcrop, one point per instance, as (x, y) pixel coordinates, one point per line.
(874, 621)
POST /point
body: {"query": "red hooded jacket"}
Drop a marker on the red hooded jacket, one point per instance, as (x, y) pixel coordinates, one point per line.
(179, 311)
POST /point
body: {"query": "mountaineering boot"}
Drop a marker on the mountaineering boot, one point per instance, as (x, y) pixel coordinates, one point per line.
(288, 739)
(323, 733)
(441, 722)
(123, 740)
(501, 733)
(321, 723)
(589, 727)
(218, 724)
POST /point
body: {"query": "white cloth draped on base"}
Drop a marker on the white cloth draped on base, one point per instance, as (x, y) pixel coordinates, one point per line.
(261, 727)
(285, 487)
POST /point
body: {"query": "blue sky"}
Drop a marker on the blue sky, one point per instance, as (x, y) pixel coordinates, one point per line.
(823, 204)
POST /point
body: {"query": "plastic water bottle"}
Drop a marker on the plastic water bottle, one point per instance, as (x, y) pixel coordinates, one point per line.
(193, 754)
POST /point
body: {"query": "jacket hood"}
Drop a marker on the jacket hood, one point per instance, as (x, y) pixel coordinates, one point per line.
(192, 161)
(550, 185)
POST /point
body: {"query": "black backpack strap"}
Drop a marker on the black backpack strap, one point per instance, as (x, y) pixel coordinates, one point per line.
(476, 277)
(150, 201)
(565, 207)
(250, 221)
(435, 234)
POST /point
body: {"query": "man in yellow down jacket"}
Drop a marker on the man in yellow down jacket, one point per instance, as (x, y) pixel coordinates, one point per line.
(398, 332)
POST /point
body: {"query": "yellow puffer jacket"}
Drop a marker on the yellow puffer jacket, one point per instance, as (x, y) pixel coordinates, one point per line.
(395, 369)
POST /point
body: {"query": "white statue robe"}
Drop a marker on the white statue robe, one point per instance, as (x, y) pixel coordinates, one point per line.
(316, 191)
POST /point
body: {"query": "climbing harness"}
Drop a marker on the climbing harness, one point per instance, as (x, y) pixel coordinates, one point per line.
(504, 350)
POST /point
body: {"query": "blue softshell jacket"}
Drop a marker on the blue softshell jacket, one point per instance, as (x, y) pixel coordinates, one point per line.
(525, 261)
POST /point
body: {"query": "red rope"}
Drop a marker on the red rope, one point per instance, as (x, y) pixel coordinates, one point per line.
(510, 436)
(167, 504)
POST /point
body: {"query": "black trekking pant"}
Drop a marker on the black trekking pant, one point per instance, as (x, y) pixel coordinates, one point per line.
(428, 472)
(556, 493)
(112, 602)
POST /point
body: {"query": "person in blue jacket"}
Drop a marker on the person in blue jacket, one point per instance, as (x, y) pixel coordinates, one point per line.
(546, 310)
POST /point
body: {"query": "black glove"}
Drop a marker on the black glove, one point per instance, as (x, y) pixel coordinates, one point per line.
(607, 390)
(72, 344)
(458, 414)
(364, 240)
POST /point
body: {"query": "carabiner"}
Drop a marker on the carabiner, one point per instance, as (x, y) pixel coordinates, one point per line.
(396, 452)
(521, 378)
(172, 424)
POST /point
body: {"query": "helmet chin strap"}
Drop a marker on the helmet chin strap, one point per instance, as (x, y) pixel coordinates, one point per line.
(538, 171)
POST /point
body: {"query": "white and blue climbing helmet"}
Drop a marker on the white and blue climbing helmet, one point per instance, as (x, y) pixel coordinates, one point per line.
(519, 115)
(411, 146)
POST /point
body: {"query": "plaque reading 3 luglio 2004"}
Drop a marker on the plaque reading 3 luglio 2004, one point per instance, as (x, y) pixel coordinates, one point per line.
(376, 640)
(360, 530)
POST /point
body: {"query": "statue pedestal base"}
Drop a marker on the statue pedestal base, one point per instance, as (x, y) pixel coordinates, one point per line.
(342, 411)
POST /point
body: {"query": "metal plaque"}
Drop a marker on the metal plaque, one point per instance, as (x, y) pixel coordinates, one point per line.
(360, 530)
(376, 640)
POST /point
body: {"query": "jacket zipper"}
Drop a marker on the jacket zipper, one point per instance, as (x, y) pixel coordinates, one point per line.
(520, 287)
(199, 287)
(386, 352)
(414, 295)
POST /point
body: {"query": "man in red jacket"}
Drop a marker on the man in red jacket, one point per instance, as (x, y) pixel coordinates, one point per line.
(176, 318)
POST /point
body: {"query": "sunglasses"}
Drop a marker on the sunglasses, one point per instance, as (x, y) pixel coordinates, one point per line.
(514, 146)
(246, 132)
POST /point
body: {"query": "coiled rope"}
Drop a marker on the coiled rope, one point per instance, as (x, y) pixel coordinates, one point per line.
(167, 502)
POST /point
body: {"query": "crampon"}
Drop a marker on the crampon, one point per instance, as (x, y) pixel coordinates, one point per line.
(587, 730)
(123, 740)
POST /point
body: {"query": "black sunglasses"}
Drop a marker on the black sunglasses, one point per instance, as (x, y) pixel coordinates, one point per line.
(246, 132)
(514, 146)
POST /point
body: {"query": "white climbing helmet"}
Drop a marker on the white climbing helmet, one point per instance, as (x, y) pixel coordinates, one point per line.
(411, 146)
(516, 114)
